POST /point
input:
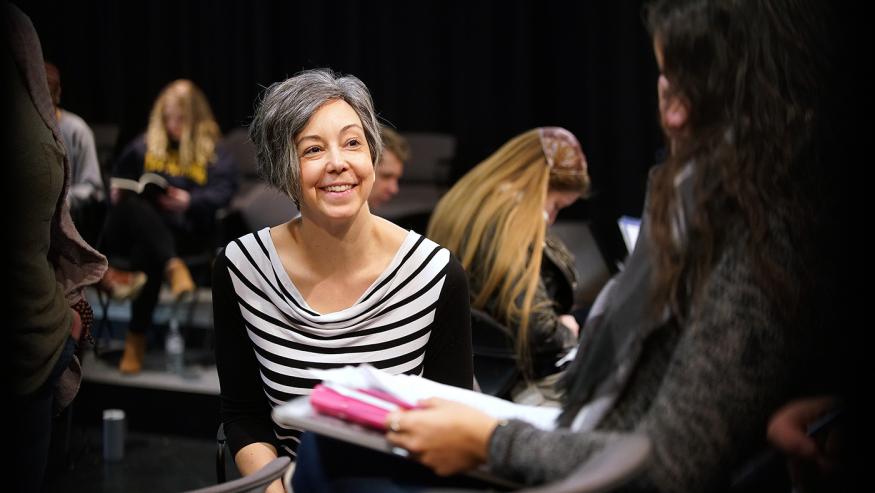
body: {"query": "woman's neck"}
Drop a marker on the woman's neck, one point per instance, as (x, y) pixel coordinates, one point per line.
(336, 245)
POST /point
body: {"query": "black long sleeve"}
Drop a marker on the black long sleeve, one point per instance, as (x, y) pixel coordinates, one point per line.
(245, 410)
(448, 358)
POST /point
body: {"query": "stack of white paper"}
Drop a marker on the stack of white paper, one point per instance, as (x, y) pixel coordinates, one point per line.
(412, 389)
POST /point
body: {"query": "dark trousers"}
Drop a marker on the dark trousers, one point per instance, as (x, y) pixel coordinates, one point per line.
(136, 236)
(32, 429)
(324, 464)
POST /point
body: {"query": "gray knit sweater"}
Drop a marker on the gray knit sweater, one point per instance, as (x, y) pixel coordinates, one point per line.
(702, 391)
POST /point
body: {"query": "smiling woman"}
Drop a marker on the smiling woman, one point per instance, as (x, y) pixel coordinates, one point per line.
(334, 286)
(337, 173)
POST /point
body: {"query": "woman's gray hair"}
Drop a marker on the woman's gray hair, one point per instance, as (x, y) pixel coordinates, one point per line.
(283, 112)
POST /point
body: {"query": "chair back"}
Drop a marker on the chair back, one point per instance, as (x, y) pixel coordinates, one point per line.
(240, 146)
(495, 362)
(256, 204)
(431, 156)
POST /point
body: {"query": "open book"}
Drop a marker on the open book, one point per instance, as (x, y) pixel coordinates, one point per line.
(149, 184)
(351, 404)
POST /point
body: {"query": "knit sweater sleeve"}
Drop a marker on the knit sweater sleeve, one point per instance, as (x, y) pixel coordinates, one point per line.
(715, 388)
(244, 411)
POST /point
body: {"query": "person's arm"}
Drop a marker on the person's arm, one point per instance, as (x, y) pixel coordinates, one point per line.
(448, 356)
(730, 369)
(130, 162)
(129, 165)
(222, 178)
(245, 411)
(549, 331)
(251, 458)
(87, 184)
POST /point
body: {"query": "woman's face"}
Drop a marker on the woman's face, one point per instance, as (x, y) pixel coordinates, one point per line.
(175, 119)
(556, 201)
(673, 107)
(337, 173)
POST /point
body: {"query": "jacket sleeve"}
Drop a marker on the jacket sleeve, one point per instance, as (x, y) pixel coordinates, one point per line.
(546, 334)
(86, 180)
(730, 368)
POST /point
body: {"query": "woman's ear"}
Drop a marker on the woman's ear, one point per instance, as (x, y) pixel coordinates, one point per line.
(673, 108)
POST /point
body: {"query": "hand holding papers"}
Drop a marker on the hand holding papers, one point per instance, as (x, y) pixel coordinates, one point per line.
(408, 390)
(352, 405)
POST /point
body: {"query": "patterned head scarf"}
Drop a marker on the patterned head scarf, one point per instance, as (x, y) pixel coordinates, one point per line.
(553, 140)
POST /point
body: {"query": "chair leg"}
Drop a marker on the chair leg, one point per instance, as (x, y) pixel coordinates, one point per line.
(220, 453)
(104, 300)
(68, 432)
(192, 307)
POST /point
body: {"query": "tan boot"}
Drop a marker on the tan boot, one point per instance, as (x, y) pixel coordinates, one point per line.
(135, 351)
(122, 285)
(179, 278)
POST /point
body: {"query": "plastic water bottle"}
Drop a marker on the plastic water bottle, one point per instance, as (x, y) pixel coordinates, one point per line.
(174, 347)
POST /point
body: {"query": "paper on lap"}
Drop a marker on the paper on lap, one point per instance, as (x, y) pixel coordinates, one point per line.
(412, 389)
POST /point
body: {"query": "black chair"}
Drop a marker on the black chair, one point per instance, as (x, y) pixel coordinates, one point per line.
(256, 204)
(221, 446)
(495, 362)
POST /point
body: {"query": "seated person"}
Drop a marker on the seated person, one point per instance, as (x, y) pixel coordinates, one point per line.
(152, 232)
(704, 334)
(86, 198)
(396, 152)
(503, 207)
(334, 286)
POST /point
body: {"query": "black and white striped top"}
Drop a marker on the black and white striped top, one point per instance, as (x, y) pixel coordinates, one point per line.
(413, 319)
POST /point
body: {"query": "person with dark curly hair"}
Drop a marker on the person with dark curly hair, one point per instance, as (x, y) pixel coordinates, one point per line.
(706, 331)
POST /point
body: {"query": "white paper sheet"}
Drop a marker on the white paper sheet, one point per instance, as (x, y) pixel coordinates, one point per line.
(412, 389)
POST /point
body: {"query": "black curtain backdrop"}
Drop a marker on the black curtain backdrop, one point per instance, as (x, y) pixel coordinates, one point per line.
(483, 71)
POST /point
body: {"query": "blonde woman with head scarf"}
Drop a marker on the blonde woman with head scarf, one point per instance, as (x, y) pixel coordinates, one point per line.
(495, 220)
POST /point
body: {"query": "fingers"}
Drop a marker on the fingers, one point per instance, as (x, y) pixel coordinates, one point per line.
(401, 432)
(428, 403)
(786, 435)
(787, 429)
(393, 422)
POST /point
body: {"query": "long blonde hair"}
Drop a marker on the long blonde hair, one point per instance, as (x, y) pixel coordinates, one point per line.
(201, 132)
(492, 219)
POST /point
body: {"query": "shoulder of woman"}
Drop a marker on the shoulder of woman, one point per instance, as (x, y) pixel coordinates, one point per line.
(394, 234)
(455, 270)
